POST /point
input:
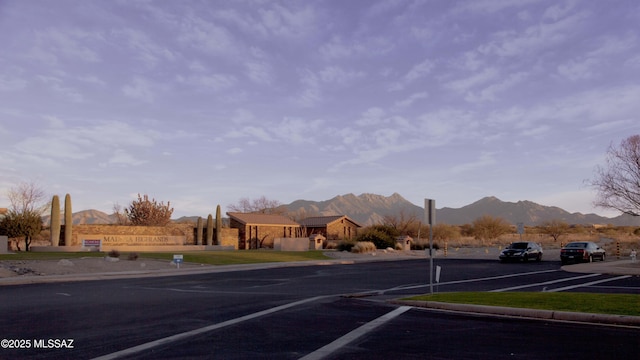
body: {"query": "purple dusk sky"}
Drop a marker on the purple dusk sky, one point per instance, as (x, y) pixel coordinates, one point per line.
(206, 102)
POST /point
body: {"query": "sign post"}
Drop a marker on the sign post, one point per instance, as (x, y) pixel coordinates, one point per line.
(520, 229)
(178, 259)
(430, 215)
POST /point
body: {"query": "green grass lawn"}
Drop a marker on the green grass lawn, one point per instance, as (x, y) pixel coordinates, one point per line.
(241, 257)
(616, 304)
(200, 257)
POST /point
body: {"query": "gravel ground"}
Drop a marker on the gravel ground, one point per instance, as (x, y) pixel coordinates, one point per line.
(86, 265)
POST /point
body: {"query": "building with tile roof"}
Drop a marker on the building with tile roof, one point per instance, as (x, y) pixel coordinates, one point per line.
(259, 230)
(336, 227)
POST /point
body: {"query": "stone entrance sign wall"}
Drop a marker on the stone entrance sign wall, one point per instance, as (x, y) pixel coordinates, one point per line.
(139, 240)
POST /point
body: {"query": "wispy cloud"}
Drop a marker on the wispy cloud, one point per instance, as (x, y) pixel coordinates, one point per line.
(466, 84)
(578, 70)
(417, 72)
(57, 86)
(69, 43)
(203, 82)
(122, 157)
(412, 99)
(492, 91)
(107, 140)
(202, 35)
(9, 83)
(535, 38)
(143, 47)
(139, 89)
(283, 21)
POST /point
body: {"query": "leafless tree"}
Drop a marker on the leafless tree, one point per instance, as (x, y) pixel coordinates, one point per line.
(24, 219)
(404, 223)
(618, 182)
(261, 205)
(120, 215)
(27, 197)
(555, 228)
(488, 228)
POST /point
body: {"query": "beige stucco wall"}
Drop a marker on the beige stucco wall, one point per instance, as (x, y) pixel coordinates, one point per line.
(341, 230)
(177, 234)
(264, 233)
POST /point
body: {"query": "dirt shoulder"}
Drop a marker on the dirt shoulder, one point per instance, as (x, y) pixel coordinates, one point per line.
(88, 265)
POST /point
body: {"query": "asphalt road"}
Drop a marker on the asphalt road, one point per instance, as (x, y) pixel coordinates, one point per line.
(333, 312)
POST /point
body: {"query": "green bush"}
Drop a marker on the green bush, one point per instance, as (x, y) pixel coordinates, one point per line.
(345, 246)
(379, 236)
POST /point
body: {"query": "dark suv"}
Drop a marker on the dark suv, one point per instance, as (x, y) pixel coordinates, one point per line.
(521, 251)
(579, 251)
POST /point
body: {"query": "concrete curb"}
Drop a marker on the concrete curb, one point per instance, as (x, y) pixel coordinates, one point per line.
(616, 267)
(624, 320)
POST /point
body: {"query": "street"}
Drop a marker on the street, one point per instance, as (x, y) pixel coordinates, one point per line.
(334, 311)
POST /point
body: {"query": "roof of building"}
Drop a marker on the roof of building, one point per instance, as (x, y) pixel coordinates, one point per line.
(321, 221)
(261, 219)
(3, 211)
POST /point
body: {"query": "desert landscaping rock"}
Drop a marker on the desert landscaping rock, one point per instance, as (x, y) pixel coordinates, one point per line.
(65, 262)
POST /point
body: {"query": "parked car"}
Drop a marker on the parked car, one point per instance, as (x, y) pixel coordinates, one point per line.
(521, 251)
(581, 251)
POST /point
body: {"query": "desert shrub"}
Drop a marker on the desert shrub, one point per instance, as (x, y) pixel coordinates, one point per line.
(382, 236)
(114, 253)
(133, 256)
(363, 247)
(329, 245)
(345, 245)
(423, 245)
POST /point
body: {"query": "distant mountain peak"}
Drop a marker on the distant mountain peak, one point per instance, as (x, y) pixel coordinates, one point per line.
(369, 209)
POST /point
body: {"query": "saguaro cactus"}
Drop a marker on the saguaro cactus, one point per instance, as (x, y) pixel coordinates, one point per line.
(55, 221)
(68, 220)
(209, 230)
(199, 231)
(218, 226)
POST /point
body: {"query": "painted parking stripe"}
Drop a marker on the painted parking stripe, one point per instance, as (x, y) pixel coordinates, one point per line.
(589, 283)
(472, 280)
(188, 334)
(353, 335)
(545, 283)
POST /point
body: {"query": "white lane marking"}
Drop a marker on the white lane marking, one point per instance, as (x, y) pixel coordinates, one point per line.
(354, 334)
(589, 283)
(63, 294)
(178, 290)
(185, 335)
(545, 283)
(472, 280)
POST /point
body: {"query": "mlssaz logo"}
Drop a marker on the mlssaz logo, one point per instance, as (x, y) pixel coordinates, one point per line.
(53, 343)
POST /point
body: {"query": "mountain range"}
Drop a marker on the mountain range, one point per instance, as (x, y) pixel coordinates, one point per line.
(367, 209)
